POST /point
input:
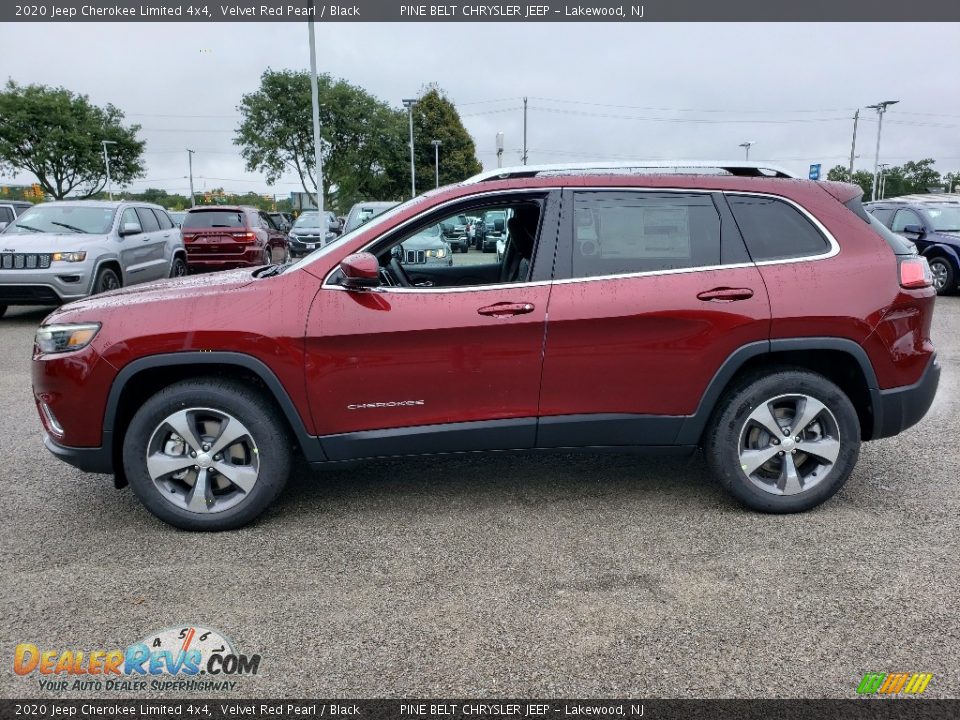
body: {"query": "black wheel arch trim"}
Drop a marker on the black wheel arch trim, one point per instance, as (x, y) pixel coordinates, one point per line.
(693, 426)
(309, 444)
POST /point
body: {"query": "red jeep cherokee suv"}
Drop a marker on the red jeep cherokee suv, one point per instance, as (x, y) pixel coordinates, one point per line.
(765, 319)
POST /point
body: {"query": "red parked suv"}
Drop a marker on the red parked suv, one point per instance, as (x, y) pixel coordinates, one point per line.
(767, 320)
(221, 237)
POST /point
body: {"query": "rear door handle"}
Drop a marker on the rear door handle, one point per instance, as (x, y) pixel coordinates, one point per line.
(725, 294)
(506, 309)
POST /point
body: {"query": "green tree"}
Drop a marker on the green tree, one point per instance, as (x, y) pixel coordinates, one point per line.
(362, 137)
(920, 176)
(56, 135)
(951, 182)
(863, 178)
(435, 118)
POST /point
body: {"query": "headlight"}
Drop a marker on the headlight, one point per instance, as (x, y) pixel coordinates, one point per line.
(70, 256)
(64, 338)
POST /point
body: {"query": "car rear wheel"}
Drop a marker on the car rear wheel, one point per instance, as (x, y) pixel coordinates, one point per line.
(944, 279)
(267, 257)
(179, 267)
(784, 442)
(105, 281)
(207, 454)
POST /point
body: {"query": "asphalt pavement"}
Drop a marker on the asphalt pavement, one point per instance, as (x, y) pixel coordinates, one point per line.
(492, 576)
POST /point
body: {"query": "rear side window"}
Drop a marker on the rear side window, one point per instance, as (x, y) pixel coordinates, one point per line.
(199, 219)
(775, 230)
(617, 232)
(6, 214)
(163, 219)
(148, 221)
(884, 215)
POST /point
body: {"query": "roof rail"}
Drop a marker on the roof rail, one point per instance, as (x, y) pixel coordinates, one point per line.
(734, 167)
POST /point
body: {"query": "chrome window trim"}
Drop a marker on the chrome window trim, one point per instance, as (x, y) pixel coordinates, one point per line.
(831, 240)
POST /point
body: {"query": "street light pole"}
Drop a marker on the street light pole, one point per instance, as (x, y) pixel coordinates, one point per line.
(408, 103)
(315, 106)
(106, 162)
(881, 108)
(883, 180)
(436, 158)
(746, 146)
(193, 199)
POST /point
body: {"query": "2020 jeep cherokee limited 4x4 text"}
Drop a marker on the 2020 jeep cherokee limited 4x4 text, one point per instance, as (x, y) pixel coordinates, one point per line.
(764, 319)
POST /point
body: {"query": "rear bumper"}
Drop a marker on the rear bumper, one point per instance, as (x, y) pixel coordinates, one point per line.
(897, 409)
(92, 460)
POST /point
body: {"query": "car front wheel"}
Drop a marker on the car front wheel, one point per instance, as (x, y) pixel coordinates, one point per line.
(105, 281)
(784, 442)
(206, 454)
(944, 279)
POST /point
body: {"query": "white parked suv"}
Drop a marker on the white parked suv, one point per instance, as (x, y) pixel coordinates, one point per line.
(57, 252)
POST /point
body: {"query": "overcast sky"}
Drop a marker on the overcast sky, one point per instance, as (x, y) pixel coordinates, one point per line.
(596, 91)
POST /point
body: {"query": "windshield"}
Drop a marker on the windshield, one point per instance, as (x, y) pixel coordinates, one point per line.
(945, 219)
(308, 219)
(363, 214)
(61, 219)
(349, 235)
(213, 219)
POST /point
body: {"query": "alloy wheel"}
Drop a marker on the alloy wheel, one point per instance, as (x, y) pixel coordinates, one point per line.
(203, 460)
(940, 273)
(789, 444)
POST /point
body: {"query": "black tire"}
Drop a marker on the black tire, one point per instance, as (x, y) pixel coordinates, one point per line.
(723, 437)
(3, 310)
(950, 277)
(178, 268)
(267, 256)
(254, 411)
(106, 280)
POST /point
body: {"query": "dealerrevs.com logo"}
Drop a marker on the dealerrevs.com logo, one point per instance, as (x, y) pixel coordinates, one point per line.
(894, 683)
(179, 659)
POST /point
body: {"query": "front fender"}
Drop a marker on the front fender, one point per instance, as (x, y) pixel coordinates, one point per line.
(943, 250)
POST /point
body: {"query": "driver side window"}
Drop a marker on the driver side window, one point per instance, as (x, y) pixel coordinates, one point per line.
(488, 245)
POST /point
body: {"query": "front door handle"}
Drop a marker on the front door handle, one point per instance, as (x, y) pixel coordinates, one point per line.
(506, 309)
(725, 294)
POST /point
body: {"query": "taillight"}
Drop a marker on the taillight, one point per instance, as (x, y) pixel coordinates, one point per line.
(244, 235)
(915, 272)
(189, 238)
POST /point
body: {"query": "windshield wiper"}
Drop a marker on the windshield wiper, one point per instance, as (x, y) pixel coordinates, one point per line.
(31, 228)
(271, 270)
(70, 227)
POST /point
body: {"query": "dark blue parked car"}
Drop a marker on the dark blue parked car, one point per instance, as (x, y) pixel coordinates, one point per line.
(933, 224)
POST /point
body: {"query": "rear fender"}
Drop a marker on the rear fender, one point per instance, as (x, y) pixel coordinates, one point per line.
(939, 249)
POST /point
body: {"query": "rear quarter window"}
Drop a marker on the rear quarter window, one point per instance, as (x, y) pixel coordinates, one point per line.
(775, 230)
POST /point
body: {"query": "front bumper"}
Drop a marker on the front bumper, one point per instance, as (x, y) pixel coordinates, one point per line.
(54, 286)
(92, 460)
(897, 409)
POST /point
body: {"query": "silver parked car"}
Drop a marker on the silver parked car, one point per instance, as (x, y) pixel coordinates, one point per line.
(363, 212)
(427, 247)
(61, 251)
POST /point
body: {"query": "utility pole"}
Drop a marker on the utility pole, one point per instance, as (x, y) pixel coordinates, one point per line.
(746, 146)
(408, 103)
(193, 200)
(106, 162)
(315, 103)
(499, 149)
(881, 108)
(853, 145)
(436, 158)
(524, 131)
(883, 180)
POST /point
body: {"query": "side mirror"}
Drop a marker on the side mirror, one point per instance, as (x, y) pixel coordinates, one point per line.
(361, 271)
(913, 230)
(130, 228)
